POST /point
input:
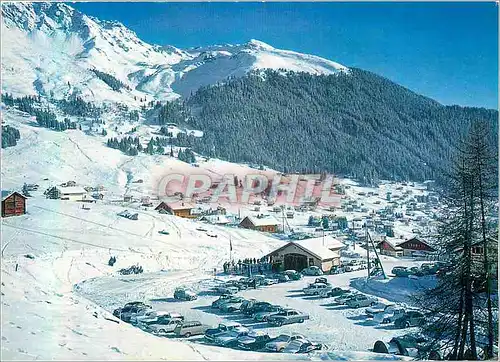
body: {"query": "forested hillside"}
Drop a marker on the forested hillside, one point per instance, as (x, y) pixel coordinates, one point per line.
(358, 123)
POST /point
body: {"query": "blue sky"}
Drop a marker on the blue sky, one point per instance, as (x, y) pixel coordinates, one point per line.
(447, 51)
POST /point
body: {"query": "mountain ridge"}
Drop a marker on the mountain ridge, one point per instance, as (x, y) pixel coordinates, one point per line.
(151, 71)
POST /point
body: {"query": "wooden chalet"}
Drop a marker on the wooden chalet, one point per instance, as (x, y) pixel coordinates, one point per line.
(415, 246)
(13, 204)
(180, 208)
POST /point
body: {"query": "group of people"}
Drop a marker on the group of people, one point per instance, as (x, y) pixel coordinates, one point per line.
(247, 265)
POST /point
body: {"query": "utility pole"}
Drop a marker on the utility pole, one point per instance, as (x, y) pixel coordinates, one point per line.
(367, 249)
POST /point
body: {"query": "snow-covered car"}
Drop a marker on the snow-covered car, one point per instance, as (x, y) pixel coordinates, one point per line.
(211, 333)
(312, 270)
(211, 234)
(292, 274)
(145, 316)
(360, 301)
(184, 294)
(379, 307)
(317, 288)
(321, 280)
(287, 316)
(232, 299)
(264, 315)
(160, 319)
(200, 228)
(167, 327)
(269, 281)
(253, 341)
(390, 317)
(227, 290)
(131, 306)
(281, 342)
(216, 303)
(342, 299)
(232, 305)
(229, 338)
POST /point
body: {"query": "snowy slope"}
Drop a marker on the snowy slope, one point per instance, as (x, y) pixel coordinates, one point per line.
(55, 47)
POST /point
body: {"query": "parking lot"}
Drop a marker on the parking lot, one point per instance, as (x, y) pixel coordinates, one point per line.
(337, 326)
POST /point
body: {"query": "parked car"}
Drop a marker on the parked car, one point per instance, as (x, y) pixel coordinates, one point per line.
(228, 339)
(307, 347)
(163, 232)
(360, 301)
(400, 271)
(281, 342)
(216, 303)
(257, 307)
(282, 278)
(269, 281)
(415, 270)
(429, 268)
(390, 317)
(253, 341)
(334, 292)
(128, 307)
(337, 269)
(321, 280)
(292, 274)
(287, 316)
(200, 228)
(184, 294)
(410, 319)
(224, 289)
(248, 303)
(379, 307)
(294, 346)
(211, 333)
(145, 316)
(211, 234)
(161, 318)
(312, 270)
(317, 288)
(264, 315)
(236, 283)
(166, 327)
(232, 305)
(126, 313)
(190, 328)
(343, 298)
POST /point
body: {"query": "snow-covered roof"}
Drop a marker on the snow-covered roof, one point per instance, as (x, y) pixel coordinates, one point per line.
(330, 242)
(180, 205)
(315, 246)
(72, 190)
(262, 221)
(6, 193)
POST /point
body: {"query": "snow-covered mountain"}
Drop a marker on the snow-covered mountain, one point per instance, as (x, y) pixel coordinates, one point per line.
(52, 49)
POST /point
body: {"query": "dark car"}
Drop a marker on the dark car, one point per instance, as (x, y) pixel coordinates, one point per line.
(253, 341)
(410, 319)
(257, 307)
(321, 280)
(211, 333)
(130, 308)
(309, 347)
